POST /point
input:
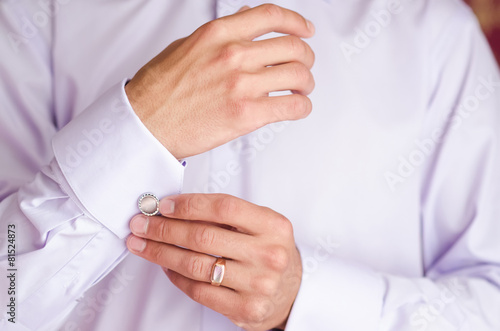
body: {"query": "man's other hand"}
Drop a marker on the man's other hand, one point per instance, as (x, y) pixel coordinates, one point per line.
(213, 86)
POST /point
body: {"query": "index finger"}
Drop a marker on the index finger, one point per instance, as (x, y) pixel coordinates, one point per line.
(266, 18)
(218, 208)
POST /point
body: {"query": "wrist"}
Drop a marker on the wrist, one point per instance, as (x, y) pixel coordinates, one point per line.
(144, 107)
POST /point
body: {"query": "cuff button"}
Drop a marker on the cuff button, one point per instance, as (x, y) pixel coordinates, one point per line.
(149, 204)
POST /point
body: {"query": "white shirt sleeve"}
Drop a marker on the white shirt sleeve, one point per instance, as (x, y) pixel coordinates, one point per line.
(459, 287)
(72, 219)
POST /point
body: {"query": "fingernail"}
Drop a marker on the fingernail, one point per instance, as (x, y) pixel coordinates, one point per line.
(136, 244)
(139, 225)
(310, 26)
(167, 207)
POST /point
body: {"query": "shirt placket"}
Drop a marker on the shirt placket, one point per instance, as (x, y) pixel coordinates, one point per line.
(211, 321)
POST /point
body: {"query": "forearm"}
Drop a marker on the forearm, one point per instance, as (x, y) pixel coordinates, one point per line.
(71, 221)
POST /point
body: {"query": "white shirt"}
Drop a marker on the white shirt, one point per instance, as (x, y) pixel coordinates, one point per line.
(392, 183)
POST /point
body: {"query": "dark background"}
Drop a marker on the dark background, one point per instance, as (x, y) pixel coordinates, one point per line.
(488, 12)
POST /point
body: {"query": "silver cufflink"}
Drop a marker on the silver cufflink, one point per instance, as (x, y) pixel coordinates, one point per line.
(149, 204)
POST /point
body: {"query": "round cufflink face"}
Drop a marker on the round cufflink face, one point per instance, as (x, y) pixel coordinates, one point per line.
(149, 204)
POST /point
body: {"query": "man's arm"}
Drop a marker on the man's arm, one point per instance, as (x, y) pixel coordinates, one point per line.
(59, 190)
(72, 218)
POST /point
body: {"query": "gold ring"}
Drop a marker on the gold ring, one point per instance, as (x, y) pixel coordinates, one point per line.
(218, 270)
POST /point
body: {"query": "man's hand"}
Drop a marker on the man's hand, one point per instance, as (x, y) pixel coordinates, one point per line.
(263, 268)
(212, 87)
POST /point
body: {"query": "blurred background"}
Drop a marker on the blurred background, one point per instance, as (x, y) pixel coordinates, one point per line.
(488, 12)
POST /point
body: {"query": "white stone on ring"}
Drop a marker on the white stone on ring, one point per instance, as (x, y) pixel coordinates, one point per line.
(149, 204)
(218, 271)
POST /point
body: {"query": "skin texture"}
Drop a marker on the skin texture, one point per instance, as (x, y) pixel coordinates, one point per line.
(212, 87)
(199, 93)
(263, 268)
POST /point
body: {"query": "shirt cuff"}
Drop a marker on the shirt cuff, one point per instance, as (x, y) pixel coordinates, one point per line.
(335, 295)
(109, 158)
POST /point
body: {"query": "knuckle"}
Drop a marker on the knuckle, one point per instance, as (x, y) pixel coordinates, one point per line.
(191, 206)
(196, 292)
(264, 286)
(213, 29)
(312, 55)
(306, 54)
(227, 207)
(156, 253)
(312, 82)
(273, 11)
(236, 83)
(232, 55)
(300, 72)
(163, 229)
(237, 108)
(255, 311)
(277, 258)
(185, 208)
(297, 46)
(297, 106)
(283, 225)
(300, 106)
(196, 267)
(307, 107)
(204, 237)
